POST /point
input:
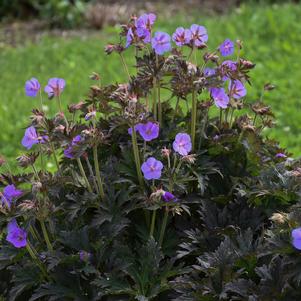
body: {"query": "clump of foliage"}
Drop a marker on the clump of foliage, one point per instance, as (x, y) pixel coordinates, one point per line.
(156, 196)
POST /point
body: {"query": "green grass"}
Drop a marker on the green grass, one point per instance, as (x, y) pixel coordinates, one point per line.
(272, 39)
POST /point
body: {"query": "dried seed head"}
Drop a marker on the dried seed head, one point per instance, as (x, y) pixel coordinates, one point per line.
(37, 117)
(27, 159)
(75, 107)
(155, 196)
(27, 205)
(278, 218)
(165, 152)
(189, 158)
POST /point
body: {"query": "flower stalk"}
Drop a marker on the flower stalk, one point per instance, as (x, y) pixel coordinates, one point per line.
(152, 228)
(33, 255)
(136, 156)
(82, 171)
(97, 171)
(46, 237)
(193, 118)
(163, 227)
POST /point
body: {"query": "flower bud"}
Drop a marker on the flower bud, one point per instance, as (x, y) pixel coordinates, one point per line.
(239, 44)
(210, 57)
(246, 65)
(94, 76)
(269, 87)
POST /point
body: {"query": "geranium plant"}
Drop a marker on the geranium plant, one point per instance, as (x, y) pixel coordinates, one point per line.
(165, 187)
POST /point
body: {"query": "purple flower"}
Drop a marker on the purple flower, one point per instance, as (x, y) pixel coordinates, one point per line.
(136, 127)
(148, 131)
(152, 168)
(129, 38)
(144, 34)
(146, 21)
(226, 48)
(32, 87)
(167, 196)
(182, 144)
(90, 115)
(68, 152)
(16, 235)
(84, 256)
(221, 99)
(227, 68)
(9, 193)
(55, 87)
(209, 72)
(198, 35)
(237, 89)
(281, 155)
(30, 137)
(296, 235)
(181, 36)
(161, 42)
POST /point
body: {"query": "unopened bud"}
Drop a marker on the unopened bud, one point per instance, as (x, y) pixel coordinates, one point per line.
(165, 152)
(269, 87)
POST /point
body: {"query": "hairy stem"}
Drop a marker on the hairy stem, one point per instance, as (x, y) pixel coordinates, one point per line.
(33, 255)
(92, 174)
(193, 118)
(163, 227)
(82, 171)
(154, 93)
(136, 156)
(152, 228)
(54, 156)
(125, 66)
(97, 171)
(46, 237)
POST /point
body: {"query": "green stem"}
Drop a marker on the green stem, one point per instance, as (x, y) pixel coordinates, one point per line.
(97, 171)
(193, 118)
(33, 255)
(231, 117)
(33, 233)
(136, 156)
(220, 118)
(54, 155)
(41, 157)
(154, 93)
(83, 174)
(46, 237)
(159, 104)
(164, 223)
(152, 228)
(176, 108)
(41, 100)
(91, 174)
(35, 172)
(125, 66)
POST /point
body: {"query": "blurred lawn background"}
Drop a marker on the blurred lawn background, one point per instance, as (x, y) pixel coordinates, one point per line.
(271, 36)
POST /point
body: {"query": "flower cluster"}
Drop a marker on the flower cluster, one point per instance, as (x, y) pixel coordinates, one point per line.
(145, 171)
